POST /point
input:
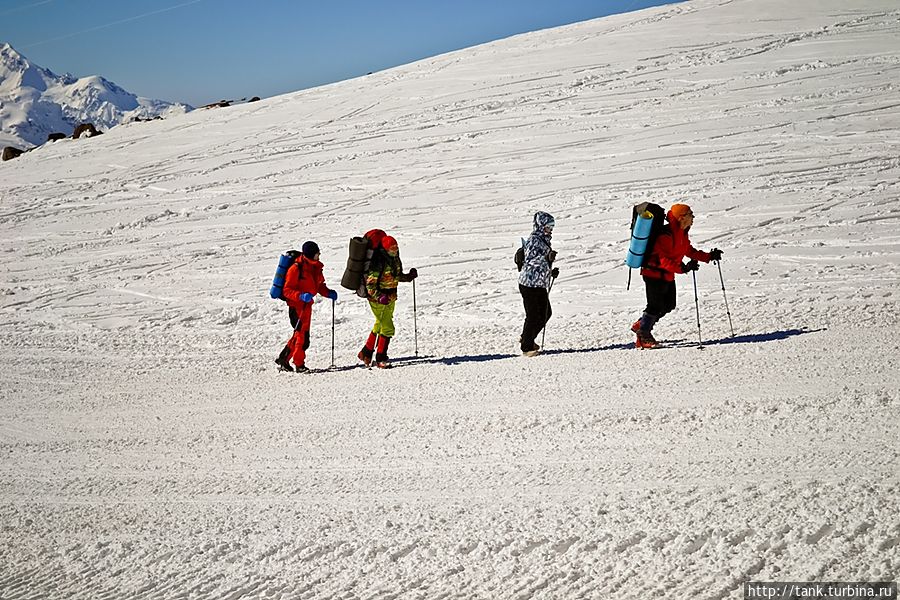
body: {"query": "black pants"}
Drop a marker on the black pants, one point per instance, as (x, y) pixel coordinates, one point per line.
(660, 297)
(537, 313)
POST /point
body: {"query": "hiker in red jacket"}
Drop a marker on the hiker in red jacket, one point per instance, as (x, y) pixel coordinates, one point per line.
(664, 261)
(303, 281)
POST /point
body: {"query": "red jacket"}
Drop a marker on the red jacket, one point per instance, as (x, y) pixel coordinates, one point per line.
(670, 248)
(304, 276)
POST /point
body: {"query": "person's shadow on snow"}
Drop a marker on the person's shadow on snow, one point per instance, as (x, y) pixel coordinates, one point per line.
(751, 338)
(448, 360)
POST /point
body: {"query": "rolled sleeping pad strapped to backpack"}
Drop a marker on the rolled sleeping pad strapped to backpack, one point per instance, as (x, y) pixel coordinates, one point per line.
(359, 255)
(359, 249)
(640, 235)
(284, 263)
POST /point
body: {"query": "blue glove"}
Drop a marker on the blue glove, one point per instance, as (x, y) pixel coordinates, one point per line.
(306, 297)
(333, 295)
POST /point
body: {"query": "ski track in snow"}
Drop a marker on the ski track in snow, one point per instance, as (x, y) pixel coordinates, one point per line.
(149, 449)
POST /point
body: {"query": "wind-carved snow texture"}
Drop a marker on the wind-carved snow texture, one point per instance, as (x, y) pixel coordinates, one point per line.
(151, 450)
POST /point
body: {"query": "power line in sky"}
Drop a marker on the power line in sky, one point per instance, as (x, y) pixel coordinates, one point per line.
(21, 8)
(108, 25)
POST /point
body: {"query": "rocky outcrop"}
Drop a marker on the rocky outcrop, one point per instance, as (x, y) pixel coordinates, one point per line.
(11, 152)
(86, 130)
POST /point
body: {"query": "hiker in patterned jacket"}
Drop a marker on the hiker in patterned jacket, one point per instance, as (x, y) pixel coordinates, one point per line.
(534, 281)
(384, 274)
(663, 263)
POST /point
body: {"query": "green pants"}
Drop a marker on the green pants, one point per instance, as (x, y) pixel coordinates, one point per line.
(384, 318)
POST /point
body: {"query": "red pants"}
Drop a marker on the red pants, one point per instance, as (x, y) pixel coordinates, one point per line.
(299, 341)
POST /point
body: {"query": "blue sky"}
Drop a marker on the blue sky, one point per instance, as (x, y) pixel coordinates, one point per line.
(200, 51)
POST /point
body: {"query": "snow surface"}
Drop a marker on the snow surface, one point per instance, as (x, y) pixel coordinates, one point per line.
(35, 102)
(149, 449)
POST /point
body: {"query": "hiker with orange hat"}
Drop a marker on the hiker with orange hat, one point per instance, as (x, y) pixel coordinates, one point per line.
(384, 274)
(304, 279)
(663, 263)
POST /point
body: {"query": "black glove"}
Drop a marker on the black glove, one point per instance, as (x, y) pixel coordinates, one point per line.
(715, 254)
(554, 273)
(413, 273)
(691, 265)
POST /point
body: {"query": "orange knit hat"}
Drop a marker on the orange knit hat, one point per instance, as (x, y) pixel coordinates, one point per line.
(678, 210)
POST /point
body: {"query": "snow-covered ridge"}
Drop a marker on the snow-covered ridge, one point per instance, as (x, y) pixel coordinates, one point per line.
(35, 102)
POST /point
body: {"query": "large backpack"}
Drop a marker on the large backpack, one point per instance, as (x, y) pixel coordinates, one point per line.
(284, 263)
(647, 221)
(359, 258)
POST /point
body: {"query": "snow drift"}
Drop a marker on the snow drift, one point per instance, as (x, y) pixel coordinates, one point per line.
(151, 450)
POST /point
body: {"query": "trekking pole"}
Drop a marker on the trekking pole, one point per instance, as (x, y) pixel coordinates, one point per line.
(728, 312)
(697, 304)
(333, 366)
(415, 323)
(547, 313)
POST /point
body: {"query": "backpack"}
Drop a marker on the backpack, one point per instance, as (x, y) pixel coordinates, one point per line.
(647, 221)
(520, 256)
(359, 259)
(276, 292)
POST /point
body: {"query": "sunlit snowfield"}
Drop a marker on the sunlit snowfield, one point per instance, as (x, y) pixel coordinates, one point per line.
(149, 448)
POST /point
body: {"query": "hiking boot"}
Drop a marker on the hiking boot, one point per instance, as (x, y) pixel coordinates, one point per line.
(283, 364)
(533, 352)
(636, 326)
(301, 369)
(365, 358)
(645, 339)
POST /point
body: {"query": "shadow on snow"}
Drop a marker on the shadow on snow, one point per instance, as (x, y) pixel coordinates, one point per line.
(753, 338)
(750, 338)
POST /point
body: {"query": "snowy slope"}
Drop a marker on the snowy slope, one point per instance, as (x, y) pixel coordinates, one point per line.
(150, 449)
(35, 102)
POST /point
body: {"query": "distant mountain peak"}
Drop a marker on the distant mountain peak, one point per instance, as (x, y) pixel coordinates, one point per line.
(35, 101)
(11, 59)
(6, 49)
